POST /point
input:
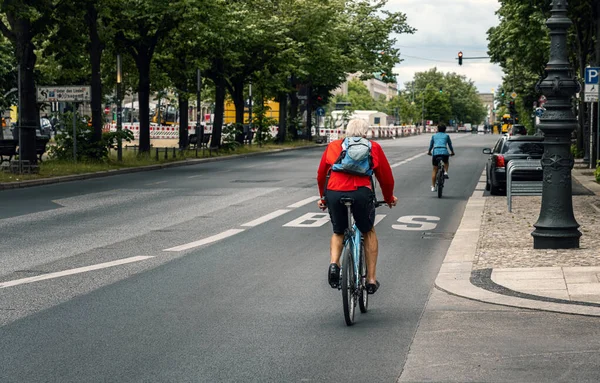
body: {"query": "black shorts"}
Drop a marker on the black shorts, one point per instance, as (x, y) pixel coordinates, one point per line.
(363, 209)
(437, 157)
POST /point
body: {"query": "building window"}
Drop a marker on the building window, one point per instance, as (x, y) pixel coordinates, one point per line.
(376, 120)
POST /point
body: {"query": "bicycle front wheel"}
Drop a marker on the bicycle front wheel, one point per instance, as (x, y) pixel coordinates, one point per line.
(348, 285)
(363, 297)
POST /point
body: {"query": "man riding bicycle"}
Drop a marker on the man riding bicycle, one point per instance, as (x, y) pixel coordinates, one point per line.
(334, 185)
(438, 143)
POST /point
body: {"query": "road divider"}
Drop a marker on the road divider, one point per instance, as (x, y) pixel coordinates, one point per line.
(266, 218)
(206, 241)
(78, 270)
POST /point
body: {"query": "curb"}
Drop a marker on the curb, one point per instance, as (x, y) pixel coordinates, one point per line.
(455, 273)
(107, 173)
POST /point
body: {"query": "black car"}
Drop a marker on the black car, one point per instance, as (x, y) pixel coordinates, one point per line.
(511, 148)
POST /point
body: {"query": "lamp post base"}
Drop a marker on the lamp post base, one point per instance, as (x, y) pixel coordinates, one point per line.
(554, 241)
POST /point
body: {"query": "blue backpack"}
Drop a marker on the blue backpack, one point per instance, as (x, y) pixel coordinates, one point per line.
(355, 157)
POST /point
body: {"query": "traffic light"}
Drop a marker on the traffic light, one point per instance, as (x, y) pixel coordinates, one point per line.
(441, 90)
(460, 57)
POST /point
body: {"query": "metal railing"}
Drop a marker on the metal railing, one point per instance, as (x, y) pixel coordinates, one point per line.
(525, 187)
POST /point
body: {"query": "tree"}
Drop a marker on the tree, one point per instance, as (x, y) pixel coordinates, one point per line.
(26, 21)
(521, 45)
(359, 96)
(140, 27)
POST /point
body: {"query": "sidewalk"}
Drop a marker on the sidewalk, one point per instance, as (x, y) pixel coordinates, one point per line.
(491, 258)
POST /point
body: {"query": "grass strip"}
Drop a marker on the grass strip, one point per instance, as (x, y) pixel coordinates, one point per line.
(55, 168)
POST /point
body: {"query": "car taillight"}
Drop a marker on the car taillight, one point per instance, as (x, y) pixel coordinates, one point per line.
(500, 161)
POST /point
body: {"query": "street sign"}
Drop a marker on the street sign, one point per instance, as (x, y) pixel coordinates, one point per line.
(513, 95)
(320, 112)
(76, 93)
(591, 84)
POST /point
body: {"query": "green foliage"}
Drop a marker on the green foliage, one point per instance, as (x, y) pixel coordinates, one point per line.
(576, 153)
(230, 131)
(597, 172)
(262, 123)
(87, 148)
(459, 99)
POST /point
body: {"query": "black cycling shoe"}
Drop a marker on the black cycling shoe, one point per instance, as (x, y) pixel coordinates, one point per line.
(372, 287)
(333, 275)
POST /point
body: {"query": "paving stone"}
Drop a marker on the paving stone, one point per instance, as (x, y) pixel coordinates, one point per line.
(505, 239)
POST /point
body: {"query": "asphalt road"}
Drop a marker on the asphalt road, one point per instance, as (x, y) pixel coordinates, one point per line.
(216, 272)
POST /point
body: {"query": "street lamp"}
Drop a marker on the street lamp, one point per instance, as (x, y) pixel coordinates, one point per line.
(556, 227)
(119, 111)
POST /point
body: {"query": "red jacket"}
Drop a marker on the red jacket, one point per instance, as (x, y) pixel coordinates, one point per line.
(339, 181)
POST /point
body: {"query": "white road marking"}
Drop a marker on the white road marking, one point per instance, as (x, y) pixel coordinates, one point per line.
(266, 218)
(78, 270)
(480, 185)
(416, 222)
(157, 183)
(378, 218)
(206, 241)
(309, 220)
(408, 160)
(304, 202)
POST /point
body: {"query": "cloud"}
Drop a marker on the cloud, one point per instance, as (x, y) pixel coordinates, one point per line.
(445, 27)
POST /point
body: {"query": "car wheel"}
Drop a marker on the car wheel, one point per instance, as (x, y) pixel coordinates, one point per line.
(487, 180)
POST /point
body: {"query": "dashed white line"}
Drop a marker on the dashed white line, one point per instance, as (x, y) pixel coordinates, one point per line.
(78, 270)
(266, 218)
(206, 241)
(408, 160)
(304, 202)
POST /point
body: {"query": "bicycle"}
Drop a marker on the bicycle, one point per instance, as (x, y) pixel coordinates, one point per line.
(439, 178)
(354, 265)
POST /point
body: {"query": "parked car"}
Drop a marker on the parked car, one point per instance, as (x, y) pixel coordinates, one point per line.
(510, 148)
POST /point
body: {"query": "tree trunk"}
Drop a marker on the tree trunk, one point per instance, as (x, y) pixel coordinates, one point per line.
(95, 59)
(29, 116)
(282, 118)
(143, 65)
(237, 93)
(183, 119)
(215, 140)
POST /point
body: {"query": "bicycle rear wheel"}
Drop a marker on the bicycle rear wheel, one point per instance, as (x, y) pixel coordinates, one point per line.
(363, 297)
(348, 285)
(440, 183)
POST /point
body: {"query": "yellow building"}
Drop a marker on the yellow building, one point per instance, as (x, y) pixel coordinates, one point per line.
(273, 112)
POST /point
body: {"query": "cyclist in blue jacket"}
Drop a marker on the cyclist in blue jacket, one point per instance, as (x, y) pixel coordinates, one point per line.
(440, 142)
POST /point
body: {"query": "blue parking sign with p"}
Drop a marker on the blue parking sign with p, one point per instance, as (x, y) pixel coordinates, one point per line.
(591, 75)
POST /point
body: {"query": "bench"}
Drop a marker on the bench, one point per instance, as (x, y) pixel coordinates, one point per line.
(8, 148)
(193, 140)
(522, 188)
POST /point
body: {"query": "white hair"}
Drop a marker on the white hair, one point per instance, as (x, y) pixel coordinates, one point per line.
(357, 128)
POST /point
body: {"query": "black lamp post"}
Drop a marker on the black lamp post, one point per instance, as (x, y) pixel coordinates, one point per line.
(119, 111)
(556, 227)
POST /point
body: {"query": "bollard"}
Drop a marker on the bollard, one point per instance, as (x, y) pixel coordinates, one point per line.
(196, 151)
(174, 153)
(156, 154)
(166, 153)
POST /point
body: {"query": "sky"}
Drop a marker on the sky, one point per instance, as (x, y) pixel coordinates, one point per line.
(445, 27)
